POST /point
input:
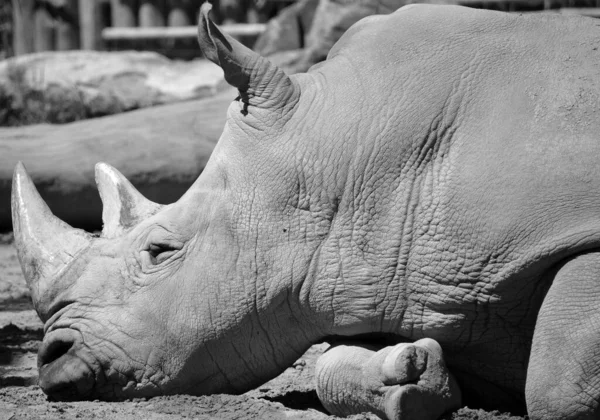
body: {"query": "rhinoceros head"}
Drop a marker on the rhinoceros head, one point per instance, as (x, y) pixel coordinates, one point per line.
(199, 296)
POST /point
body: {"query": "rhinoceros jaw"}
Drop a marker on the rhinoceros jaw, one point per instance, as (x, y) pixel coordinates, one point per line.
(123, 205)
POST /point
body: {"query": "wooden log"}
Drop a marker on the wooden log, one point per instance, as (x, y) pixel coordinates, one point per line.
(23, 21)
(235, 30)
(122, 14)
(90, 30)
(161, 150)
(150, 15)
(43, 31)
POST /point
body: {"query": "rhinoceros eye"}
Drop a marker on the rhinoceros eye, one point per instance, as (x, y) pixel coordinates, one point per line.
(158, 253)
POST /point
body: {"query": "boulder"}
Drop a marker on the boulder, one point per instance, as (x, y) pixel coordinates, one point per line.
(60, 87)
(288, 29)
(334, 17)
(161, 150)
(308, 29)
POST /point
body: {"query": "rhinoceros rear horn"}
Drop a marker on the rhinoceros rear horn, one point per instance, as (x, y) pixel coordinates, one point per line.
(122, 205)
(44, 243)
(260, 82)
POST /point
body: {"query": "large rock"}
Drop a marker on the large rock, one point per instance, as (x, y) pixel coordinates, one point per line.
(296, 43)
(288, 29)
(161, 150)
(334, 17)
(59, 87)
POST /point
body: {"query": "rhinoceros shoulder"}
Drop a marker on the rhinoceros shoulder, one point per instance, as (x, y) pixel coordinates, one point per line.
(427, 28)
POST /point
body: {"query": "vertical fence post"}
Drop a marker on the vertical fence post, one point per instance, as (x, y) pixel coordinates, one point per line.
(122, 14)
(67, 34)
(252, 15)
(177, 14)
(90, 25)
(150, 15)
(6, 29)
(23, 26)
(43, 31)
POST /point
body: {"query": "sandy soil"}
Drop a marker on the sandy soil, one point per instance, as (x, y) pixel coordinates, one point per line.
(289, 396)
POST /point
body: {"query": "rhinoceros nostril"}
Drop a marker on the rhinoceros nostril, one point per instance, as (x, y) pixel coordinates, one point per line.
(54, 349)
(64, 375)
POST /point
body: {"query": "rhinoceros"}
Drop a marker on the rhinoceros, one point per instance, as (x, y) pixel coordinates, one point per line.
(431, 192)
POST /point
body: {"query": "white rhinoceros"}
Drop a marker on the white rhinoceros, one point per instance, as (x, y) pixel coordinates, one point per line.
(435, 182)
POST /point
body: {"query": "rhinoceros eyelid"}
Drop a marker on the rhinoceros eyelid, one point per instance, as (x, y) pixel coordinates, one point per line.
(160, 253)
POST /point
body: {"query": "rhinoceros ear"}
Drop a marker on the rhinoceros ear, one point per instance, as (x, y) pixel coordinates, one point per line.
(122, 205)
(260, 82)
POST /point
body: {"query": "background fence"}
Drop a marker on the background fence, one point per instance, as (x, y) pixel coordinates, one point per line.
(168, 26)
(54, 25)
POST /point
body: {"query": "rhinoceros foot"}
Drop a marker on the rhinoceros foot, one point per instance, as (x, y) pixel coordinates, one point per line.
(408, 381)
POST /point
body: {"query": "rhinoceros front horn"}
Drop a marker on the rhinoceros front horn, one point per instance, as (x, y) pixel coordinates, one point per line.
(122, 205)
(44, 243)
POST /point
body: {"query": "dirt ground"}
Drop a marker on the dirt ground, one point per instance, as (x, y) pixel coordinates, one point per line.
(289, 396)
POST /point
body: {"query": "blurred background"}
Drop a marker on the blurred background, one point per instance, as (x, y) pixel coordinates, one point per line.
(166, 26)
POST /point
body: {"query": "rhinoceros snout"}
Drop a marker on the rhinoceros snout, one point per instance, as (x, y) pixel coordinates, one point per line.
(63, 374)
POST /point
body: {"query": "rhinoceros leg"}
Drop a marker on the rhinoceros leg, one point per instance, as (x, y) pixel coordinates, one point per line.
(563, 377)
(408, 381)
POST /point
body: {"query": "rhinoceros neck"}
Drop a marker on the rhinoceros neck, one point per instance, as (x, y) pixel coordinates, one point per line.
(385, 176)
(358, 280)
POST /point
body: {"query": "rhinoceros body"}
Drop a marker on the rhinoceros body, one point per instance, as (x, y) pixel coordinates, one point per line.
(437, 177)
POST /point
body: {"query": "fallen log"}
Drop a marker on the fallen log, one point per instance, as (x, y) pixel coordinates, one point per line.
(161, 150)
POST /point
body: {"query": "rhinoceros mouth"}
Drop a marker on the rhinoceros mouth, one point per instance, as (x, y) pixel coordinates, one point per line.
(63, 373)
